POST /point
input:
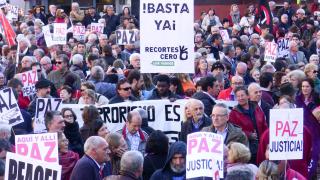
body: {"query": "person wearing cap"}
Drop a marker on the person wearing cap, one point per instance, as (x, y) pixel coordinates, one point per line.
(43, 91)
(91, 17)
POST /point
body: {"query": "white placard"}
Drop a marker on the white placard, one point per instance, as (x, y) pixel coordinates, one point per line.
(225, 35)
(204, 155)
(9, 109)
(47, 35)
(59, 33)
(166, 36)
(271, 51)
(28, 79)
(79, 32)
(12, 12)
(97, 28)
(283, 47)
(124, 37)
(286, 134)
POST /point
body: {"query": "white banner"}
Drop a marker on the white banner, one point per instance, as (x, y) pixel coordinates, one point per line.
(47, 35)
(44, 105)
(97, 28)
(9, 109)
(19, 167)
(28, 79)
(79, 32)
(204, 155)
(271, 51)
(166, 36)
(59, 33)
(162, 115)
(124, 37)
(286, 134)
(43, 147)
(283, 47)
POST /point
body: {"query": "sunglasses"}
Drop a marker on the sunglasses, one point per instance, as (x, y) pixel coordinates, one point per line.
(59, 62)
(38, 70)
(126, 89)
(315, 71)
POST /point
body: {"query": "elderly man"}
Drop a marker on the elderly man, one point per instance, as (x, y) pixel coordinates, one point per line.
(295, 56)
(196, 122)
(228, 60)
(135, 60)
(76, 15)
(54, 122)
(241, 70)
(26, 62)
(92, 166)
(228, 94)
(77, 64)
(135, 137)
(221, 125)
(175, 166)
(24, 45)
(52, 11)
(131, 166)
(38, 54)
(58, 76)
(255, 95)
(46, 64)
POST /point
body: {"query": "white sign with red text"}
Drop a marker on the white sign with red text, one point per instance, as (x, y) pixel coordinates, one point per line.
(28, 79)
(286, 134)
(271, 52)
(12, 12)
(97, 27)
(204, 155)
(60, 33)
(43, 147)
(225, 35)
(79, 32)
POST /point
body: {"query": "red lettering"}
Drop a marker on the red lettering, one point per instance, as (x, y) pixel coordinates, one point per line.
(48, 157)
(192, 144)
(279, 126)
(216, 144)
(295, 124)
(35, 152)
(203, 145)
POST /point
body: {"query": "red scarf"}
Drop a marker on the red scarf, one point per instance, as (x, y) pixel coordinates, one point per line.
(124, 133)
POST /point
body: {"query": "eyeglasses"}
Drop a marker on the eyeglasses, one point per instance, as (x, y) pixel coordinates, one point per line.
(59, 62)
(38, 70)
(217, 115)
(82, 90)
(126, 89)
(315, 72)
(68, 116)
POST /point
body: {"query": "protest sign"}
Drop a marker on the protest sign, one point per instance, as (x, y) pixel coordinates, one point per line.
(166, 41)
(12, 12)
(59, 33)
(162, 115)
(97, 27)
(19, 167)
(47, 35)
(286, 134)
(44, 105)
(79, 32)
(283, 47)
(9, 109)
(270, 54)
(28, 79)
(225, 35)
(124, 37)
(3, 3)
(204, 153)
(43, 147)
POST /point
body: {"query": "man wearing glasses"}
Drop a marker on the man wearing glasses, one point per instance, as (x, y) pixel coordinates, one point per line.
(228, 94)
(124, 93)
(221, 125)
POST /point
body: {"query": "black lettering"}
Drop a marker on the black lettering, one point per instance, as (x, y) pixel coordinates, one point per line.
(167, 112)
(122, 112)
(160, 8)
(106, 112)
(175, 109)
(55, 175)
(48, 173)
(158, 24)
(114, 115)
(58, 103)
(13, 168)
(118, 36)
(21, 166)
(3, 104)
(184, 8)
(48, 106)
(124, 38)
(29, 172)
(151, 113)
(132, 37)
(11, 106)
(38, 173)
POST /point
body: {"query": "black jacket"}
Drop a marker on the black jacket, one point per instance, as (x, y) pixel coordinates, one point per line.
(88, 19)
(207, 101)
(72, 133)
(151, 163)
(111, 23)
(119, 99)
(155, 95)
(186, 127)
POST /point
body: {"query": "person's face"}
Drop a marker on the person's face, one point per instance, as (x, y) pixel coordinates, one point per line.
(217, 71)
(294, 81)
(37, 29)
(81, 48)
(256, 76)
(210, 12)
(242, 98)
(53, 9)
(68, 116)
(216, 89)
(300, 15)
(198, 38)
(38, 10)
(235, 8)
(45, 65)
(92, 11)
(65, 95)
(173, 88)
(103, 41)
(122, 148)
(135, 124)
(314, 61)
(241, 71)
(43, 92)
(87, 99)
(66, 48)
(284, 79)
(60, 64)
(286, 5)
(95, 50)
(140, 83)
(162, 87)
(255, 94)
(102, 152)
(26, 63)
(238, 51)
(306, 88)
(219, 117)
(57, 124)
(197, 111)
(294, 46)
(178, 162)
(136, 63)
(110, 11)
(203, 65)
(71, 42)
(236, 82)
(251, 8)
(187, 111)
(103, 131)
(63, 144)
(116, 48)
(125, 90)
(284, 19)
(313, 73)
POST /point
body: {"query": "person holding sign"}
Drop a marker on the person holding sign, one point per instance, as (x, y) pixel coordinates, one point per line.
(43, 91)
(175, 166)
(222, 126)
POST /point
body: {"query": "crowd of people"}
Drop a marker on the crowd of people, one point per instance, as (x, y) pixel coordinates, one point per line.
(98, 71)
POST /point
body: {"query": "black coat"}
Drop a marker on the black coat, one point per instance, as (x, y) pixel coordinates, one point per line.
(72, 133)
(88, 19)
(111, 23)
(155, 95)
(186, 127)
(151, 163)
(207, 101)
(119, 99)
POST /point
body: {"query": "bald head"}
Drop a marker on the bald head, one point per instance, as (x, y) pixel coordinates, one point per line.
(241, 69)
(134, 121)
(255, 92)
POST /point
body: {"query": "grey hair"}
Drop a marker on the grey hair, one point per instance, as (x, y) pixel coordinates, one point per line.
(77, 59)
(143, 113)
(222, 105)
(93, 142)
(97, 73)
(298, 74)
(40, 51)
(267, 66)
(252, 85)
(131, 161)
(134, 56)
(47, 59)
(5, 130)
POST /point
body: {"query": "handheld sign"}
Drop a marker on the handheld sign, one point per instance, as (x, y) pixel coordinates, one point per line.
(166, 41)
(225, 35)
(9, 109)
(44, 105)
(286, 134)
(59, 33)
(47, 35)
(270, 54)
(12, 12)
(204, 153)
(28, 79)
(43, 147)
(19, 167)
(3, 3)
(79, 32)
(283, 47)
(97, 27)
(124, 37)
